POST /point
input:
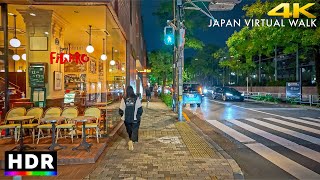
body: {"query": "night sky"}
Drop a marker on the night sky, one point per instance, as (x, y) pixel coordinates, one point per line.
(153, 30)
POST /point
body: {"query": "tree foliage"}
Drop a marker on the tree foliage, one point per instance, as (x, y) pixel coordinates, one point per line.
(250, 42)
(161, 66)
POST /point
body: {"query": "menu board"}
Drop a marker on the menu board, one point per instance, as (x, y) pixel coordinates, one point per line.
(36, 76)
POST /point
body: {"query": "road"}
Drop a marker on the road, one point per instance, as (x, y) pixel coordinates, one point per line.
(267, 141)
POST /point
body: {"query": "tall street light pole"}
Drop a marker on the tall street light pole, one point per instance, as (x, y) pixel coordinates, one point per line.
(180, 56)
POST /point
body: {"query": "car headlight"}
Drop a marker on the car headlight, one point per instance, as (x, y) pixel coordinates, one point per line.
(205, 91)
(242, 94)
(229, 94)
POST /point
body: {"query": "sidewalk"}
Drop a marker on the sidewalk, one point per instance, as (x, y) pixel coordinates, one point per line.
(167, 149)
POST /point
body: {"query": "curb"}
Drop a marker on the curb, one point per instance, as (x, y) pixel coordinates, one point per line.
(237, 173)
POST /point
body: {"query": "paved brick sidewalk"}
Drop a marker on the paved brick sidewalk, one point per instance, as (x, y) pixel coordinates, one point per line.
(167, 149)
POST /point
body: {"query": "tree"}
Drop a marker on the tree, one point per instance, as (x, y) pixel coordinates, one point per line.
(289, 38)
(161, 66)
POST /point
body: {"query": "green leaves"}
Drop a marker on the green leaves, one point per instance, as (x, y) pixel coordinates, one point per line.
(161, 63)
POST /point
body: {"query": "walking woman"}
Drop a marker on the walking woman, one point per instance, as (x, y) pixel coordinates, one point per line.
(130, 111)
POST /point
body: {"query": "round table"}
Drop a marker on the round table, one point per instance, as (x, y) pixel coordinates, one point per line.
(20, 119)
(53, 121)
(84, 143)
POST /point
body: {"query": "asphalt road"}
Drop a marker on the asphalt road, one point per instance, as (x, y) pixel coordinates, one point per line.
(267, 141)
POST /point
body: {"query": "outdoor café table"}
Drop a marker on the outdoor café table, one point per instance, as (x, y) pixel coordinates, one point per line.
(53, 121)
(83, 143)
(21, 146)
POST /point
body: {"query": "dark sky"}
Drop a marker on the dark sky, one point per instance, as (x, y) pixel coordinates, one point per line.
(153, 30)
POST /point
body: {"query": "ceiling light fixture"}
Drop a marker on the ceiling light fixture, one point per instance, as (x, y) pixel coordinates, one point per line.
(16, 57)
(24, 56)
(90, 48)
(112, 62)
(14, 42)
(32, 14)
(103, 55)
(10, 14)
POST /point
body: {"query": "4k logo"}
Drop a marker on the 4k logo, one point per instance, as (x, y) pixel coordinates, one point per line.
(297, 10)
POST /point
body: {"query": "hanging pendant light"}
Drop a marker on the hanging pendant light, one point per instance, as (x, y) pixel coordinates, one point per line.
(24, 56)
(90, 48)
(103, 55)
(112, 62)
(15, 42)
(16, 57)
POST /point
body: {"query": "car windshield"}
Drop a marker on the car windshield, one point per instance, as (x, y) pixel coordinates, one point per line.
(232, 90)
(191, 87)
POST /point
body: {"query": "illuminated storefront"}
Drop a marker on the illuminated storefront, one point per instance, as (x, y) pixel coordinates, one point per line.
(69, 48)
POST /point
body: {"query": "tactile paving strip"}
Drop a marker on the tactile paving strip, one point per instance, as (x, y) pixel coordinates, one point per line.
(197, 146)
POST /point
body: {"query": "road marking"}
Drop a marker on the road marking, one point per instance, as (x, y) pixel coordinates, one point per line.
(316, 131)
(286, 131)
(312, 119)
(302, 121)
(314, 155)
(281, 109)
(231, 132)
(291, 167)
(250, 109)
(185, 116)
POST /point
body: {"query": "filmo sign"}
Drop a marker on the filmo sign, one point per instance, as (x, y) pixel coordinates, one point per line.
(30, 163)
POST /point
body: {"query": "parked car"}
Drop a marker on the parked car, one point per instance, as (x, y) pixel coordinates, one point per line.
(192, 94)
(227, 93)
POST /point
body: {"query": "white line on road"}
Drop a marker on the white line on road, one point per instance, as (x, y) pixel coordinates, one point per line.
(231, 132)
(316, 131)
(314, 155)
(293, 168)
(286, 131)
(302, 121)
(312, 119)
(277, 109)
(250, 109)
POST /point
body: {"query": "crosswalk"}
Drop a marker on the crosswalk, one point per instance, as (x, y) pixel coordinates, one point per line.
(300, 136)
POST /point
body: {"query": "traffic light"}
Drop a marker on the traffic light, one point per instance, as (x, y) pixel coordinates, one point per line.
(169, 35)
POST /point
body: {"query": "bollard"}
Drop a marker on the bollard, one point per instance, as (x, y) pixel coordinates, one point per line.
(310, 100)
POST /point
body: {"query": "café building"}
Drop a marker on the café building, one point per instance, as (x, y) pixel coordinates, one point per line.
(74, 53)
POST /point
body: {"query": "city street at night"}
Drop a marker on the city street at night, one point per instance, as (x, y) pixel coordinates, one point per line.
(267, 141)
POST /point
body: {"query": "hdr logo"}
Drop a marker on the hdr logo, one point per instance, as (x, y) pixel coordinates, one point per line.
(30, 163)
(297, 10)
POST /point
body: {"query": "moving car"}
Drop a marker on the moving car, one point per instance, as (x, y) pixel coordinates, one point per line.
(192, 94)
(227, 93)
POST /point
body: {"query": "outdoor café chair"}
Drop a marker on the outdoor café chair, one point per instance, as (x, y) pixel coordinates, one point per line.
(68, 113)
(53, 112)
(37, 112)
(95, 112)
(13, 112)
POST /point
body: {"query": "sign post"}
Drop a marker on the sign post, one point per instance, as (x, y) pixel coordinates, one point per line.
(293, 90)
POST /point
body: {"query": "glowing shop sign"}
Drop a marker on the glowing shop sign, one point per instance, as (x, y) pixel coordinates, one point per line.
(61, 58)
